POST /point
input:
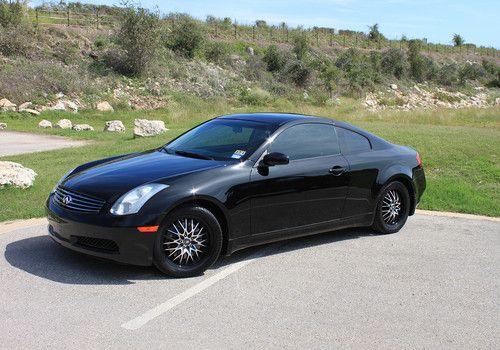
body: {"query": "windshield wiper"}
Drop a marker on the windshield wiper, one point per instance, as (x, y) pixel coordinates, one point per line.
(193, 155)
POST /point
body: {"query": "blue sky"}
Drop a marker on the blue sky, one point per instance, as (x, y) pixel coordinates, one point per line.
(437, 20)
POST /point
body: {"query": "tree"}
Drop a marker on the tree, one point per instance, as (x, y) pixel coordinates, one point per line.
(374, 34)
(300, 46)
(138, 36)
(186, 37)
(458, 40)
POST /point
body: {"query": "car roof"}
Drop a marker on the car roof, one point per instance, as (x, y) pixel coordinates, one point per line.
(280, 119)
(274, 118)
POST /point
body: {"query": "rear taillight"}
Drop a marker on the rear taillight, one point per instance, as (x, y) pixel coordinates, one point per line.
(419, 160)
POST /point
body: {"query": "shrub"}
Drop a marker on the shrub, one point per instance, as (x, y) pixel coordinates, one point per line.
(300, 46)
(216, 52)
(358, 72)
(138, 38)
(394, 63)
(11, 13)
(100, 42)
(448, 74)
(417, 63)
(255, 96)
(297, 72)
(328, 73)
(470, 71)
(186, 37)
(274, 59)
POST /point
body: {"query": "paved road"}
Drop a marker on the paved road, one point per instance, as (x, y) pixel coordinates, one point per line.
(19, 142)
(435, 284)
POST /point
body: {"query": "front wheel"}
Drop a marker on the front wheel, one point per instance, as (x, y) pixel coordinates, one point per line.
(189, 242)
(393, 208)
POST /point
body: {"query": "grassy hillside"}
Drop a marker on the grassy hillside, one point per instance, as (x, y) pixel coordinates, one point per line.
(146, 55)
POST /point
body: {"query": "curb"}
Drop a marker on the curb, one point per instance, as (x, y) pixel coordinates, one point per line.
(457, 215)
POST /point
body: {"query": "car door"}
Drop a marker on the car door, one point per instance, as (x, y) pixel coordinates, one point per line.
(357, 150)
(310, 190)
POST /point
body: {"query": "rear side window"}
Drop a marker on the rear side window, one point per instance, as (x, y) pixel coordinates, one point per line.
(306, 141)
(352, 142)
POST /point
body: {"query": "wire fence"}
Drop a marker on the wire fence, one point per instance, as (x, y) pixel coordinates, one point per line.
(263, 35)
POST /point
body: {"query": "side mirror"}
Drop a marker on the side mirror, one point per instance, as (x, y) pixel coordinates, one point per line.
(275, 158)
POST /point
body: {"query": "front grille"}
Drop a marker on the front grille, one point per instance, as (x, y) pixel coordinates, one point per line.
(77, 202)
(96, 243)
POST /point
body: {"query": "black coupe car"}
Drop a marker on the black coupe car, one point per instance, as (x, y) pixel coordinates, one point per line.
(233, 182)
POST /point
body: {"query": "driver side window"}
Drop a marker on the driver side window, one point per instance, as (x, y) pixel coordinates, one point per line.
(306, 141)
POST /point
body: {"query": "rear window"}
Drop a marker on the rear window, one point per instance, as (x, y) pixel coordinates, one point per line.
(352, 142)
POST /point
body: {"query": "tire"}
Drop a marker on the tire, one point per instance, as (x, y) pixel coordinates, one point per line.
(386, 220)
(189, 242)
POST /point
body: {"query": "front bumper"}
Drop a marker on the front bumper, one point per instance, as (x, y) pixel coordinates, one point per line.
(121, 244)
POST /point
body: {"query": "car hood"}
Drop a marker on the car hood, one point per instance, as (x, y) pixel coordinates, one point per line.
(111, 179)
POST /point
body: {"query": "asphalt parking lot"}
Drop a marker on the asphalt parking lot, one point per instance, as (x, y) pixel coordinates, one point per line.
(435, 284)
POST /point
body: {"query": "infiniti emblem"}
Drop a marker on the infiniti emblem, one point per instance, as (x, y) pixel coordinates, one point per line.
(67, 199)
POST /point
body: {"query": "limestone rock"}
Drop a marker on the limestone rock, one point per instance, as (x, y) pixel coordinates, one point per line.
(82, 127)
(14, 174)
(63, 124)
(146, 128)
(393, 86)
(25, 105)
(3, 126)
(250, 51)
(7, 106)
(45, 124)
(30, 111)
(114, 126)
(104, 106)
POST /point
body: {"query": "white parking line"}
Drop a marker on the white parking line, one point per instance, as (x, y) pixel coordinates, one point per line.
(162, 308)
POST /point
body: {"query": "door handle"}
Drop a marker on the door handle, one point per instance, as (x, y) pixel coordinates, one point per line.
(337, 170)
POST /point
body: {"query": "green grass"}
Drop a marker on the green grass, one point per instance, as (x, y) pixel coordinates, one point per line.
(460, 148)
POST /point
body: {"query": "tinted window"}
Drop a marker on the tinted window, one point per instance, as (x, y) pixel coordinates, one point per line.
(223, 139)
(306, 141)
(352, 142)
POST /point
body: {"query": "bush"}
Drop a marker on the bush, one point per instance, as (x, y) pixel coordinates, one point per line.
(255, 96)
(186, 37)
(138, 38)
(300, 46)
(327, 72)
(274, 59)
(417, 63)
(470, 71)
(358, 73)
(394, 63)
(297, 72)
(448, 74)
(216, 52)
(11, 13)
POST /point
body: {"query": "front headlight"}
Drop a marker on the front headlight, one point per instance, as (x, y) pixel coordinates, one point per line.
(62, 179)
(132, 201)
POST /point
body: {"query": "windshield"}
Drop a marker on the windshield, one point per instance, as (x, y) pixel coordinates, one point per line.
(222, 139)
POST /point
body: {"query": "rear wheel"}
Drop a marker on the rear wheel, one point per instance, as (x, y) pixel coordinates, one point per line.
(393, 208)
(189, 242)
